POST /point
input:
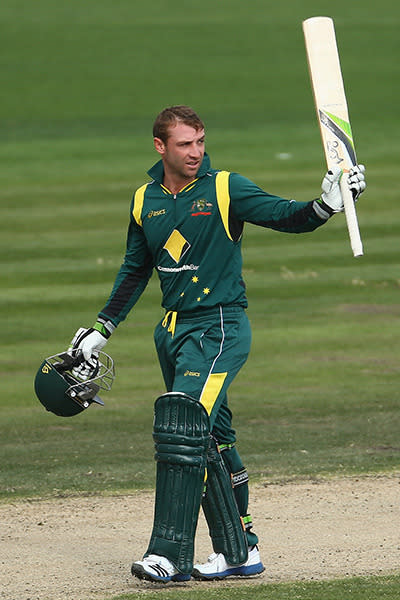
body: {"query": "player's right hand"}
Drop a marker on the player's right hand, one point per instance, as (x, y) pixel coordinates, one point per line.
(89, 341)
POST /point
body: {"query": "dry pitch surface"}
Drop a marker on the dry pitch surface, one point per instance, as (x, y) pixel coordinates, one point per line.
(82, 548)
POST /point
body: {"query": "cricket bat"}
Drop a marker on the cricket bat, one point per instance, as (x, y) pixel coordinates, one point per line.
(332, 111)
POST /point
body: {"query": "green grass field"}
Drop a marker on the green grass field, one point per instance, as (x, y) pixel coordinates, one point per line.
(81, 84)
(367, 588)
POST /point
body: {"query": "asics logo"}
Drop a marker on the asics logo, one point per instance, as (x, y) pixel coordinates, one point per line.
(156, 213)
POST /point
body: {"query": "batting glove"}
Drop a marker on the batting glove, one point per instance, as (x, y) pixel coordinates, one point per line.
(331, 200)
(86, 369)
(89, 342)
(356, 181)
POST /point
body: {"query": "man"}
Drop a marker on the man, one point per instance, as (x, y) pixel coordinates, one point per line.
(187, 223)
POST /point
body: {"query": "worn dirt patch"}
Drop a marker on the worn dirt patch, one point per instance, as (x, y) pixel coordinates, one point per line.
(82, 548)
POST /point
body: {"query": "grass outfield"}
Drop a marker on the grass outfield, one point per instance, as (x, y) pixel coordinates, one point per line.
(83, 83)
(367, 588)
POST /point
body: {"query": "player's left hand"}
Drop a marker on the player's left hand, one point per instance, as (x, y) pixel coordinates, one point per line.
(356, 181)
(331, 200)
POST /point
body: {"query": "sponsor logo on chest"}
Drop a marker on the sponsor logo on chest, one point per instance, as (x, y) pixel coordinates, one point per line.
(156, 213)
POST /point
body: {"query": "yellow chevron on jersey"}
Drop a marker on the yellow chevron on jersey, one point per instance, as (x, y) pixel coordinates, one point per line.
(176, 245)
(138, 204)
(223, 198)
(214, 255)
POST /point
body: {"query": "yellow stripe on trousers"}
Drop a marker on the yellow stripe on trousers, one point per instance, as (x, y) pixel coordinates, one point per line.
(211, 390)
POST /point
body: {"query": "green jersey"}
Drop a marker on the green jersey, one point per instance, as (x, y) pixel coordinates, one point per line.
(193, 239)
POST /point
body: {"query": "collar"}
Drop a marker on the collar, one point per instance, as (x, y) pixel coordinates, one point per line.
(157, 171)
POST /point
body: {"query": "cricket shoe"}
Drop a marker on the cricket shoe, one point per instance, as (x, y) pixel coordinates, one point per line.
(157, 568)
(217, 568)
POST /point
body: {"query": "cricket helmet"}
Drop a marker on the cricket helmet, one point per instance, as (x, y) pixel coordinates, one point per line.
(63, 393)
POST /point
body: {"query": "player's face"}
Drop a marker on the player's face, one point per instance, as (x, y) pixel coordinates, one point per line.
(183, 151)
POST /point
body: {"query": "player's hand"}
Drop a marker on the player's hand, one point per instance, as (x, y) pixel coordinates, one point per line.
(331, 195)
(85, 346)
(356, 181)
(89, 342)
(86, 369)
(331, 200)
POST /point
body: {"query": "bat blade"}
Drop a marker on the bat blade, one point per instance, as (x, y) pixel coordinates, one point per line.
(332, 111)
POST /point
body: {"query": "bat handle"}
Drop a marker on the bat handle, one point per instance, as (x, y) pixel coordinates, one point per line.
(351, 218)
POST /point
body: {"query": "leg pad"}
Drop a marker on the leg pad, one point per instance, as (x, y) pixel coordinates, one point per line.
(225, 525)
(181, 435)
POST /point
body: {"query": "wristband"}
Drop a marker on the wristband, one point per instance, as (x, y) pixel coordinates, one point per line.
(105, 327)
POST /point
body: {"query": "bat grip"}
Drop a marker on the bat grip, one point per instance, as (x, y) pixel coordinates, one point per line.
(351, 218)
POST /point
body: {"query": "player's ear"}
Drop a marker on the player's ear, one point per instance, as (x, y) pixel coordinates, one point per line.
(159, 145)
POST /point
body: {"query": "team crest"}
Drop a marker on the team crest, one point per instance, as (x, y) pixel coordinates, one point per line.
(201, 207)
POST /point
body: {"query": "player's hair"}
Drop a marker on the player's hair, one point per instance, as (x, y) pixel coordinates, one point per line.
(170, 116)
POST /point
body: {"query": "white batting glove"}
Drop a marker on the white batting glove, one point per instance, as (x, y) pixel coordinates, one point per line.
(86, 348)
(89, 342)
(331, 197)
(356, 181)
(87, 369)
(331, 200)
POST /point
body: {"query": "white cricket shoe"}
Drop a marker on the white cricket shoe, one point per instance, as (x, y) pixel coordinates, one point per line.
(217, 568)
(157, 568)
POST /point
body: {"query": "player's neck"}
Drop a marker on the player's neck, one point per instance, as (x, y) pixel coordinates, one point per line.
(175, 184)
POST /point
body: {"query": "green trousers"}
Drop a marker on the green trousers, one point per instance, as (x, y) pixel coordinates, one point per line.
(201, 355)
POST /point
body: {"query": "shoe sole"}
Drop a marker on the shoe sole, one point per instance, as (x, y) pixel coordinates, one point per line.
(236, 572)
(139, 572)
